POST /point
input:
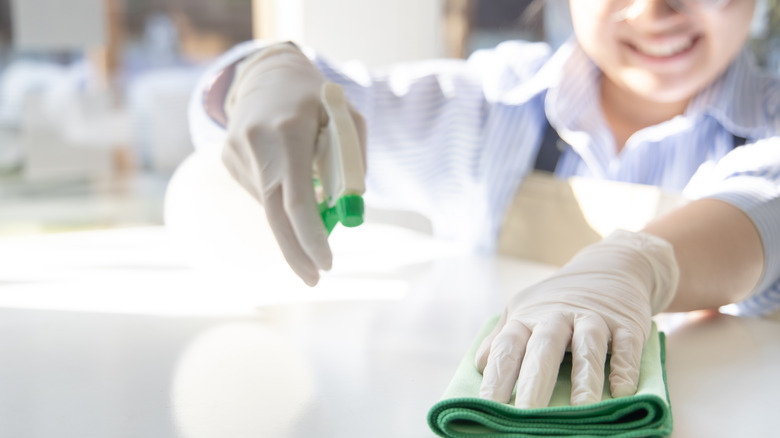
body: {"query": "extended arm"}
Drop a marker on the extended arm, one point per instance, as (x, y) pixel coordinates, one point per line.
(703, 255)
(718, 250)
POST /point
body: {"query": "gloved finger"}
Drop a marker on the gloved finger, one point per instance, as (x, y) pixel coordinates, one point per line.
(589, 343)
(481, 358)
(504, 362)
(237, 169)
(300, 204)
(286, 238)
(624, 366)
(543, 357)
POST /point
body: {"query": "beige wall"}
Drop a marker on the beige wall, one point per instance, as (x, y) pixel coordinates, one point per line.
(376, 32)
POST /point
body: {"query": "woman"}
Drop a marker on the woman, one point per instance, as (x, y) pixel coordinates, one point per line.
(650, 92)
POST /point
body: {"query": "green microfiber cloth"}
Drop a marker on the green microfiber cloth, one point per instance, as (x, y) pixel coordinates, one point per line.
(648, 413)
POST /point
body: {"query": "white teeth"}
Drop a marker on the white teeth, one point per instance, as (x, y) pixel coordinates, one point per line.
(667, 48)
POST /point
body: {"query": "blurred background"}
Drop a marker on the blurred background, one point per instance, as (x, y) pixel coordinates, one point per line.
(93, 93)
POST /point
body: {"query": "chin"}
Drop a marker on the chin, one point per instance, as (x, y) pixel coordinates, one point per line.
(666, 94)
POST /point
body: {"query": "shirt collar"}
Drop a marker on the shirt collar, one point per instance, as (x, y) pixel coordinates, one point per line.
(555, 70)
(570, 80)
(744, 99)
(572, 101)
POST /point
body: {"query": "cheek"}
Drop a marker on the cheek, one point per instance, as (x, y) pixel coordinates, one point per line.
(729, 28)
(724, 45)
(594, 34)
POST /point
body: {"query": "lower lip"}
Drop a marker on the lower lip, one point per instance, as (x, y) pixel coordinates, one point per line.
(661, 61)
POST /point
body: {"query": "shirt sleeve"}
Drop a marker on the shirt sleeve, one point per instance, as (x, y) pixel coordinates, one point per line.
(425, 122)
(749, 178)
(426, 130)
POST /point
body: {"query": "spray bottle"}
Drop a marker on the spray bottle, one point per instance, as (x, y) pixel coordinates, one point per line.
(339, 167)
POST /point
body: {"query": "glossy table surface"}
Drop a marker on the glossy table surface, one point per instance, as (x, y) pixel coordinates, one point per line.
(130, 333)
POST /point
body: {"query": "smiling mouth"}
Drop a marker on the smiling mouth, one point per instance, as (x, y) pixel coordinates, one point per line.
(664, 49)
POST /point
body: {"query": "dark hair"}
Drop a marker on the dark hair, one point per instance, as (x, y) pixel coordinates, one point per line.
(230, 18)
(5, 21)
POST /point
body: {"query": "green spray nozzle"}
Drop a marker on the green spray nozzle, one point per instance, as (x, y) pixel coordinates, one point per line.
(348, 210)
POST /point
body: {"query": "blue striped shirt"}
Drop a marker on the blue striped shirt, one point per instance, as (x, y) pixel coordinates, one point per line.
(453, 139)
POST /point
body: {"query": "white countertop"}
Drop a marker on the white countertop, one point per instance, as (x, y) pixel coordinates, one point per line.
(127, 333)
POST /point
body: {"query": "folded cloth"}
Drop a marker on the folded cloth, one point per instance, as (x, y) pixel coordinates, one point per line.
(461, 413)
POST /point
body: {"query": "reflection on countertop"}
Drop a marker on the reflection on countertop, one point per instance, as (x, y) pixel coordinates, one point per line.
(32, 207)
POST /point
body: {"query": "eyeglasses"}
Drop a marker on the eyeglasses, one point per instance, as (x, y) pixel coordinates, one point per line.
(628, 9)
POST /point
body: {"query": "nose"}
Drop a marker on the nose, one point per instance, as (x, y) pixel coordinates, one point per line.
(652, 9)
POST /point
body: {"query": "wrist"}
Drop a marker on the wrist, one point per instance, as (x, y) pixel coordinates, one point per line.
(658, 261)
(268, 58)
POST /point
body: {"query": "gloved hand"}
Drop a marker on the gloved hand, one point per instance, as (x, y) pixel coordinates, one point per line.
(606, 294)
(275, 123)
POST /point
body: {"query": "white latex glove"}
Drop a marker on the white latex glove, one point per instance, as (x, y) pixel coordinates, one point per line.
(606, 294)
(275, 121)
